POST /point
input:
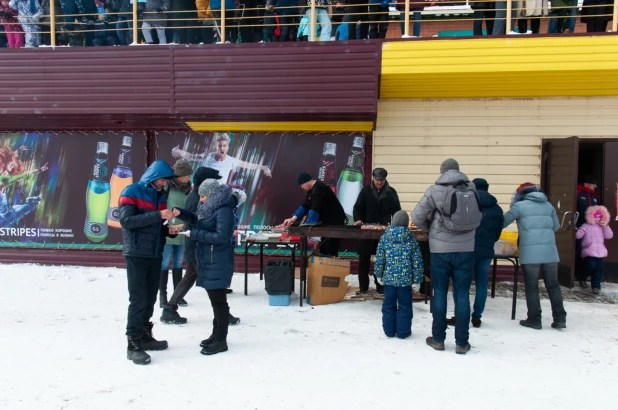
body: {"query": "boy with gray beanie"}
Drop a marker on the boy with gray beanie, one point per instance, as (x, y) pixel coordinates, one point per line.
(399, 264)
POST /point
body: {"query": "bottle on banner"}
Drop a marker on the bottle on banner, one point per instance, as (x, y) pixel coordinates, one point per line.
(351, 179)
(328, 172)
(97, 196)
(122, 177)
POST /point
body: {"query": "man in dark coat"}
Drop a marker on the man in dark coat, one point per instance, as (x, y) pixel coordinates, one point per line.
(321, 206)
(486, 236)
(142, 208)
(587, 196)
(376, 204)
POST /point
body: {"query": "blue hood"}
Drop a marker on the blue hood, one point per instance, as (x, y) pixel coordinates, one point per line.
(156, 170)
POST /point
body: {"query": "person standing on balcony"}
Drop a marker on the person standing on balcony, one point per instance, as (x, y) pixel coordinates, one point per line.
(483, 10)
(12, 28)
(230, 7)
(287, 11)
(359, 12)
(323, 11)
(416, 7)
(155, 17)
(533, 9)
(596, 14)
(500, 22)
(29, 15)
(378, 17)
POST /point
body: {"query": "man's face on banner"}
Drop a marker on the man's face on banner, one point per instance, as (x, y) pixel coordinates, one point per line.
(223, 147)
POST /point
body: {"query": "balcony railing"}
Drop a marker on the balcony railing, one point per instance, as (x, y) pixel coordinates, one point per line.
(311, 21)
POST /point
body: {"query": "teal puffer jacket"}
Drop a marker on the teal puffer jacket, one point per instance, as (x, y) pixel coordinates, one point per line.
(536, 222)
(398, 259)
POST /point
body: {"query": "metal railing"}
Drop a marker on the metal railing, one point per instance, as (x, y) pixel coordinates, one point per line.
(225, 21)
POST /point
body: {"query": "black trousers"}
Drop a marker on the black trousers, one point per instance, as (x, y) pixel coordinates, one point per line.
(185, 284)
(535, 25)
(329, 247)
(379, 17)
(288, 26)
(598, 25)
(179, 27)
(221, 311)
(366, 248)
(354, 18)
(143, 276)
(489, 16)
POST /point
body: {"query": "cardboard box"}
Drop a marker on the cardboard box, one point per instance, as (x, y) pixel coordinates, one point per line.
(326, 280)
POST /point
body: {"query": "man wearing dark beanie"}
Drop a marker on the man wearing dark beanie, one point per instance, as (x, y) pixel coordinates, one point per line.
(321, 206)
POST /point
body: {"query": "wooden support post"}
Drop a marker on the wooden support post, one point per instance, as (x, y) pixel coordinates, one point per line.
(312, 19)
(509, 11)
(52, 22)
(406, 31)
(135, 28)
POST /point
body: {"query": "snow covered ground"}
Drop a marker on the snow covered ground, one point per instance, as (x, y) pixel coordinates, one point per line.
(62, 346)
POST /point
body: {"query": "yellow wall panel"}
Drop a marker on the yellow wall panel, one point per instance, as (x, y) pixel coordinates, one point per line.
(500, 67)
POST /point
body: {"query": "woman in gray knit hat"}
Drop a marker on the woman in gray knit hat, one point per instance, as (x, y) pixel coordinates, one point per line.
(215, 256)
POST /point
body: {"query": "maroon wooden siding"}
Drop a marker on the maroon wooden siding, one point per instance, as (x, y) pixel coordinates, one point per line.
(161, 87)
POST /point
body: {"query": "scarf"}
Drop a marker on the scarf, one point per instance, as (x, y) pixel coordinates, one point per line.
(184, 188)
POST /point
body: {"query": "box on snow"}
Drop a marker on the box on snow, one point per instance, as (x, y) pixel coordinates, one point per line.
(278, 300)
(326, 280)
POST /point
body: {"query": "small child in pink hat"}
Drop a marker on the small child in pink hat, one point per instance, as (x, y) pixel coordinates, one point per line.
(594, 232)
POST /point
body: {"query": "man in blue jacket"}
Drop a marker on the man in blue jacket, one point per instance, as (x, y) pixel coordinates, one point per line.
(484, 240)
(143, 209)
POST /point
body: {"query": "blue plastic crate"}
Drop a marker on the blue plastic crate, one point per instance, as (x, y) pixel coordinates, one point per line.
(278, 300)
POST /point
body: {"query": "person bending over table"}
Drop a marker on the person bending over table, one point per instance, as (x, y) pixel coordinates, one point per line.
(321, 206)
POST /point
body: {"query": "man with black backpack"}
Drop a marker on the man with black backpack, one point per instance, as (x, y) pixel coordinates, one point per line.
(450, 212)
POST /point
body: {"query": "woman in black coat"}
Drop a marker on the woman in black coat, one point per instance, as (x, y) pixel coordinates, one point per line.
(596, 14)
(215, 255)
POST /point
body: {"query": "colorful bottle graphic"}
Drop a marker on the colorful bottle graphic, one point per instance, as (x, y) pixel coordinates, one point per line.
(351, 179)
(327, 172)
(121, 178)
(97, 197)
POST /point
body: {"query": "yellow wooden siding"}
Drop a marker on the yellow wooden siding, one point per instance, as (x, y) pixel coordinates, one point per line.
(499, 140)
(523, 66)
(291, 126)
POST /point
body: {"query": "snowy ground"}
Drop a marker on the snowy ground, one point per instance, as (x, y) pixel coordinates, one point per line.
(62, 346)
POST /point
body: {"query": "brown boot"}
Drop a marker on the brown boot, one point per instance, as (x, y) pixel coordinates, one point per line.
(451, 321)
(432, 343)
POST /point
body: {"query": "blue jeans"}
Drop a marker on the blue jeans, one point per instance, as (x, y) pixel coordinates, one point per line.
(458, 266)
(481, 279)
(122, 22)
(500, 22)
(594, 266)
(178, 251)
(397, 311)
(416, 27)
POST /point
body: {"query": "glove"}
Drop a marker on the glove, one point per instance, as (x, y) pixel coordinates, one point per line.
(385, 3)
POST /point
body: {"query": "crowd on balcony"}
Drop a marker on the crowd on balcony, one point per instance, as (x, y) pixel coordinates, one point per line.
(110, 22)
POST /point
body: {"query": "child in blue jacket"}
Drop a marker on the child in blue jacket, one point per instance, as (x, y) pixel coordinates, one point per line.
(398, 265)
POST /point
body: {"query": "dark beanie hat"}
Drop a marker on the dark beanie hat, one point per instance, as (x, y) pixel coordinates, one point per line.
(481, 184)
(303, 177)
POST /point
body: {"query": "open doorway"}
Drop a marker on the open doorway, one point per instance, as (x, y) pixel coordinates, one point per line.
(565, 163)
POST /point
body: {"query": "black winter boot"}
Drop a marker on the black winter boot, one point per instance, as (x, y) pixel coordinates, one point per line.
(163, 288)
(149, 342)
(234, 320)
(211, 338)
(135, 351)
(170, 316)
(218, 346)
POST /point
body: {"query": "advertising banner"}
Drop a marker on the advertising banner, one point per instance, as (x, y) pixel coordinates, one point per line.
(61, 189)
(265, 166)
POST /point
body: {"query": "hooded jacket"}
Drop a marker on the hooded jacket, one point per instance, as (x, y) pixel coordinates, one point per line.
(398, 258)
(536, 222)
(586, 197)
(593, 234)
(143, 232)
(374, 207)
(213, 233)
(490, 228)
(426, 217)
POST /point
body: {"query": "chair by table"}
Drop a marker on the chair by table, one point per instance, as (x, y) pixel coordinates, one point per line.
(515, 261)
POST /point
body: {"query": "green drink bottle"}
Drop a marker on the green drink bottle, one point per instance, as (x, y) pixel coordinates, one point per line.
(351, 178)
(97, 196)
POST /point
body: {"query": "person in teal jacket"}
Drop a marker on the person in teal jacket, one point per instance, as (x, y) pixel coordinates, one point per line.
(399, 264)
(536, 222)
